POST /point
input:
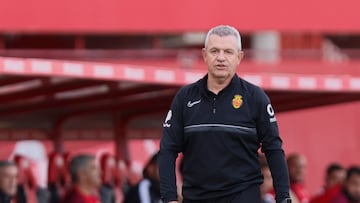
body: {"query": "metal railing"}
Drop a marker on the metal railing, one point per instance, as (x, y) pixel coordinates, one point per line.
(189, 57)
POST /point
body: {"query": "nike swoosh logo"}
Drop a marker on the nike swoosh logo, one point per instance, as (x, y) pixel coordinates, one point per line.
(191, 104)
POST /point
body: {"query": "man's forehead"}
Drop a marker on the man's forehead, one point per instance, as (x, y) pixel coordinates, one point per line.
(15, 168)
(8, 168)
(217, 41)
(89, 163)
(355, 176)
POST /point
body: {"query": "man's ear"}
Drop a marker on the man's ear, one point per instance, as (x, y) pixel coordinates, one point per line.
(203, 52)
(240, 55)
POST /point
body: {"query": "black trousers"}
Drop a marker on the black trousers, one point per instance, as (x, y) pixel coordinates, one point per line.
(249, 195)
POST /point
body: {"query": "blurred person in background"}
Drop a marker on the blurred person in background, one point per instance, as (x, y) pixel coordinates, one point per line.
(350, 191)
(335, 176)
(86, 179)
(297, 170)
(148, 189)
(8, 181)
(266, 188)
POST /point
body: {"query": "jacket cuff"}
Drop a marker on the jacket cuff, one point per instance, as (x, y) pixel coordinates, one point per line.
(166, 200)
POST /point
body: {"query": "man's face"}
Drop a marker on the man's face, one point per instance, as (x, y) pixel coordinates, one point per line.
(8, 180)
(297, 169)
(352, 186)
(336, 177)
(91, 174)
(222, 56)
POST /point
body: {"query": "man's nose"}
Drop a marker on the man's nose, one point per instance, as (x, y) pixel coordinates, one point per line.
(221, 56)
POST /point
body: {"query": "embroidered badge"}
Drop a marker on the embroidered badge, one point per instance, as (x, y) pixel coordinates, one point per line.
(237, 101)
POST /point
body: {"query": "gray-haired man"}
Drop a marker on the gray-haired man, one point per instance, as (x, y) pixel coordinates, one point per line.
(219, 123)
(85, 176)
(8, 181)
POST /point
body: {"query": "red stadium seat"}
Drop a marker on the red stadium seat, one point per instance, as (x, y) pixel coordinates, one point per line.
(110, 190)
(110, 173)
(27, 185)
(58, 176)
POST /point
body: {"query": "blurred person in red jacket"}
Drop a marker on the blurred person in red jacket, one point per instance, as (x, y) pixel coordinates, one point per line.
(350, 192)
(8, 181)
(335, 175)
(86, 179)
(297, 170)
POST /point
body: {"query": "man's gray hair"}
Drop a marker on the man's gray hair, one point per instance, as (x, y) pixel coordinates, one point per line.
(224, 30)
(4, 164)
(78, 163)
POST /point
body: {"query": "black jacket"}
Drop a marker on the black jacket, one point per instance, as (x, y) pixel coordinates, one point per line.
(4, 198)
(219, 136)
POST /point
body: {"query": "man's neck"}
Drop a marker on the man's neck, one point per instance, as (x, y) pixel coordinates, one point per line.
(215, 85)
(86, 189)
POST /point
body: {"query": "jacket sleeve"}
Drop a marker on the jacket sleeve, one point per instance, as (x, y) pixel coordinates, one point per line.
(271, 145)
(170, 145)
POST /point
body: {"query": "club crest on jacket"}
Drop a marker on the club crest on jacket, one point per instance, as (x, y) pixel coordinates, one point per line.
(237, 101)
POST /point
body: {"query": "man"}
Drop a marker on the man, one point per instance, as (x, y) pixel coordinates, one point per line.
(148, 190)
(297, 170)
(335, 175)
(350, 192)
(8, 181)
(267, 186)
(86, 178)
(219, 123)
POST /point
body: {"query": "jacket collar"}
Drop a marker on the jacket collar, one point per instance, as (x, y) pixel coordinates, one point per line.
(5, 198)
(233, 83)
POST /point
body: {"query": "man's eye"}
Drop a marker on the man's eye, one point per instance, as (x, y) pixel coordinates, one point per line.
(214, 51)
(229, 52)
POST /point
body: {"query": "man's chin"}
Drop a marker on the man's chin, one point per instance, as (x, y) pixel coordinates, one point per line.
(222, 76)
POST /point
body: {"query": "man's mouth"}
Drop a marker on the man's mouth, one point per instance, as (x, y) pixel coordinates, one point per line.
(220, 66)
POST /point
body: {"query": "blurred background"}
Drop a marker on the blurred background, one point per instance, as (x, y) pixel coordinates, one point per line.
(99, 76)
